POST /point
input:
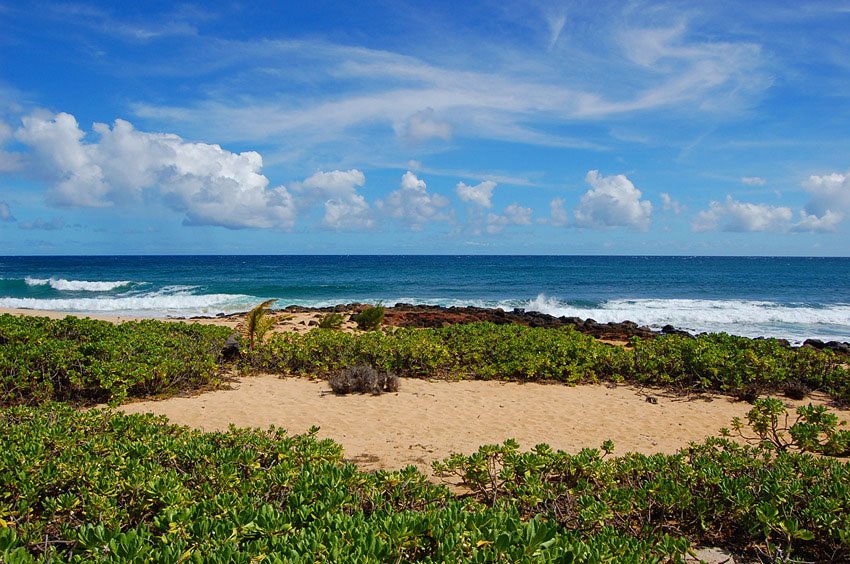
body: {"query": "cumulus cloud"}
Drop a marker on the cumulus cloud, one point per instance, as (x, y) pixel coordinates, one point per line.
(830, 192)
(344, 207)
(209, 185)
(558, 215)
(514, 214)
(413, 203)
(481, 194)
(753, 180)
(424, 125)
(826, 223)
(669, 204)
(736, 216)
(612, 201)
(5, 212)
(8, 161)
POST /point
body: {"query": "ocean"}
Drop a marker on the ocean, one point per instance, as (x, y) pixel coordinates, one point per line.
(787, 297)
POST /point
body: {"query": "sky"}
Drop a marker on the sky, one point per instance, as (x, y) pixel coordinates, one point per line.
(623, 128)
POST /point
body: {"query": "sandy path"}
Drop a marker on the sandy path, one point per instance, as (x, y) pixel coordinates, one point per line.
(428, 420)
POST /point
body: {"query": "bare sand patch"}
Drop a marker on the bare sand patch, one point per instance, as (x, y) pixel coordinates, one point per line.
(429, 419)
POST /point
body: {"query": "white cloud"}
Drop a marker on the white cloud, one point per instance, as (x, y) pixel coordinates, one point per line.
(351, 213)
(423, 125)
(753, 180)
(8, 161)
(669, 204)
(736, 216)
(514, 214)
(612, 201)
(558, 215)
(208, 184)
(828, 222)
(481, 194)
(517, 95)
(5, 212)
(57, 140)
(830, 192)
(344, 207)
(413, 203)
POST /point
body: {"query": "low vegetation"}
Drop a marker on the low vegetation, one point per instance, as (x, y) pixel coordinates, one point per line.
(96, 486)
(815, 429)
(331, 321)
(85, 361)
(93, 485)
(718, 362)
(772, 505)
(370, 318)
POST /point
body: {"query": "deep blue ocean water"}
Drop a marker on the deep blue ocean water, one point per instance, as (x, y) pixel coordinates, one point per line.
(794, 298)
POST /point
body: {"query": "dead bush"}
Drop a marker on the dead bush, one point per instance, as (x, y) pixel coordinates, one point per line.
(363, 379)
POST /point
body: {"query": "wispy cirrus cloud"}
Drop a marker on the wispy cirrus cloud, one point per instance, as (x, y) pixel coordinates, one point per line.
(318, 93)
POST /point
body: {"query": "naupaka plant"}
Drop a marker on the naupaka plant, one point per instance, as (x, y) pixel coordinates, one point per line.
(815, 429)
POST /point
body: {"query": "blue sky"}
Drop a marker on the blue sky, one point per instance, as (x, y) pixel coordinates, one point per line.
(441, 127)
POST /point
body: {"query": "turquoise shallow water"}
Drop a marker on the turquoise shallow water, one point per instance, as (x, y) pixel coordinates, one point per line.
(795, 298)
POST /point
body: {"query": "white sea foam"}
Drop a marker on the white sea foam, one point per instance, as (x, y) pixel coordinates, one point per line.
(740, 317)
(152, 305)
(64, 285)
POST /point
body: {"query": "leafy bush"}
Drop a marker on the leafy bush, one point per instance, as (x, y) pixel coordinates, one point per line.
(331, 321)
(814, 430)
(370, 318)
(363, 379)
(743, 498)
(96, 486)
(722, 363)
(87, 361)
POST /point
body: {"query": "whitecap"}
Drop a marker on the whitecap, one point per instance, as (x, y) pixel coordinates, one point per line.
(64, 285)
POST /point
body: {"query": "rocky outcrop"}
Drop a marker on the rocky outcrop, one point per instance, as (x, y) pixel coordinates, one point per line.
(409, 315)
(834, 346)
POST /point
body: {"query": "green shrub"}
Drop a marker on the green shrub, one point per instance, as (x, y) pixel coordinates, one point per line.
(742, 498)
(96, 486)
(87, 361)
(331, 321)
(370, 318)
(814, 430)
(721, 363)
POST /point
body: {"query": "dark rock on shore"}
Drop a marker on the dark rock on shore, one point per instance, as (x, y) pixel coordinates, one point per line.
(834, 346)
(409, 315)
(231, 349)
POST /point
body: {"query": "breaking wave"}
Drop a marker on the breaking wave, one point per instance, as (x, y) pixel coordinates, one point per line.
(63, 285)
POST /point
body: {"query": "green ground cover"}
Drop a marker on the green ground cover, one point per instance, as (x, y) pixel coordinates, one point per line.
(94, 485)
(88, 361)
(716, 362)
(98, 486)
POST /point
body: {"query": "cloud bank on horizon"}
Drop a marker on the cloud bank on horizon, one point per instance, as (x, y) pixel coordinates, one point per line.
(635, 128)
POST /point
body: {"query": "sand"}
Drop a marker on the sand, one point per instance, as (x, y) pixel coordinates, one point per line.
(429, 419)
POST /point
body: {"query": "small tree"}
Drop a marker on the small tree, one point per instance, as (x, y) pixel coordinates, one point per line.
(257, 323)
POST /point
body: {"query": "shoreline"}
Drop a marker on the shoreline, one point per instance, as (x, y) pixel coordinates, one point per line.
(303, 318)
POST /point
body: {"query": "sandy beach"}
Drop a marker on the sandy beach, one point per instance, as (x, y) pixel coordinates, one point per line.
(427, 420)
